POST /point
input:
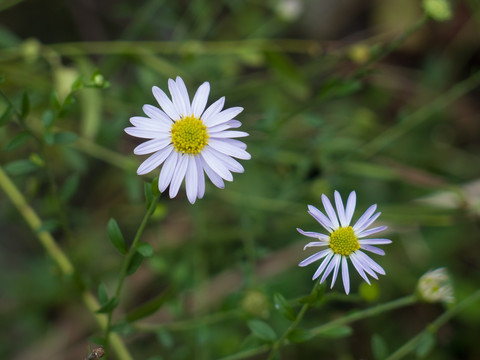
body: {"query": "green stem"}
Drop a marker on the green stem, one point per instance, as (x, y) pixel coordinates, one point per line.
(58, 256)
(432, 328)
(128, 258)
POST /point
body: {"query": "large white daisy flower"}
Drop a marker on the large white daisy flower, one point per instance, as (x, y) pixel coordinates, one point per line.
(189, 140)
(344, 241)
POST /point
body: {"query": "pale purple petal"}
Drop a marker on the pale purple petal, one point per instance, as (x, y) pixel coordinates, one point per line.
(234, 142)
(212, 175)
(329, 268)
(364, 218)
(317, 256)
(201, 177)
(368, 222)
(337, 258)
(345, 276)
(200, 99)
(151, 146)
(215, 164)
(178, 175)
(213, 109)
(370, 232)
(323, 264)
(165, 103)
(340, 209)
(320, 217)
(158, 115)
(191, 179)
(145, 133)
(177, 97)
(150, 124)
(314, 235)
(351, 202)
(228, 134)
(229, 162)
(184, 96)
(373, 249)
(228, 149)
(374, 241)
(330, 212)
(167, 171)
(359, 268)
(315, 244)
(154, 161)
(223, 116)
(373, 265)
(363, 264)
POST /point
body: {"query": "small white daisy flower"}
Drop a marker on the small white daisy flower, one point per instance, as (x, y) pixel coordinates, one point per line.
(189, 140)
(344, 241)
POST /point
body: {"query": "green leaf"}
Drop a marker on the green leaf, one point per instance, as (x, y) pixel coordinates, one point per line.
(262, 330)
(77, 84)
(425, 345)
(20, 167)
(102, 294)
(108, 306)
(312, 298)
(144, 248)
(64, 137)
(379, 347)
(299, 335)
(6, 116)
(135, 263)
(17, 141)
(48, 118)
(283, 307)
(116, 237)
(150, 306)
(69, 187)
(48, 225)
(336, 332)
(25, 106)
(123, 328)
(147, 190)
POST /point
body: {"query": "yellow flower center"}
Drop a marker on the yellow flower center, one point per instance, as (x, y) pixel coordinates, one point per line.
(189, 135)
(343, 241)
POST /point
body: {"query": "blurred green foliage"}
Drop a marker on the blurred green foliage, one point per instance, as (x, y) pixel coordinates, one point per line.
(336, 96)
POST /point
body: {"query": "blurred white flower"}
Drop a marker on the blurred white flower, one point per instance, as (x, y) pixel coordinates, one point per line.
(289, 10)
(344, 241)
(435, 286)
(189, 140)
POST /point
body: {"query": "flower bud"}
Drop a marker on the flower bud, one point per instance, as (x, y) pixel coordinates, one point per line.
(435, 286)
(438, 10)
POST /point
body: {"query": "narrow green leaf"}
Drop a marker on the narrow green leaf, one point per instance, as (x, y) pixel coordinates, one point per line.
(116, 237)
(6, 116)
(108, 306)
(283, 307)
(336, 332)
(25, 106)
(299, 335)
(145, 249)
(316, 296)
(102, 294)
(147, 189)
(20, 167)
(48, 118)
(425, 345)
(17, 141)
(135, 263)
(77, 84)
(262, 330)
(150, 306)
(379, 347)
(64, 137)
(69, 187)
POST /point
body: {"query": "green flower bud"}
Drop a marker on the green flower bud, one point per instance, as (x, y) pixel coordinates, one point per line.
(438, 10)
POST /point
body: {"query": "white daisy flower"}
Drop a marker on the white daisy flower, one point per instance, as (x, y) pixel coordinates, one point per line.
(189, 140)
(344, 241)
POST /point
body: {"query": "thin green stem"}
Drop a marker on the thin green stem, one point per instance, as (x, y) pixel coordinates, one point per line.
(293, 325)
(432, 328)
(58, 256)
(128, 258)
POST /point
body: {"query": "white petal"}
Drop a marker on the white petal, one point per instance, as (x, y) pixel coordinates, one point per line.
(374, 241)
(200, 99)
(191, 180)
(345, 277)
(317, 256)
(145, 134)
(151, 146)
(212, 175)
(154, 161)
(216, 165)
(167, 171)
(337, 260)
(213, 109)
(229, 134)
(370, 231)
(323, 264)
(184, 95)
(223, 116)
(359, 268)
(150, 124)
(200, 178)
(229, 162)
(156, 114)
(178, 175)
(340, 209)
(364, 218)
(177, 98)
(233, 124)
(314, 235)
(351, 202)
(235, 143)
(165, 103)
(320, 217)
(228, 149)
(330, 212)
